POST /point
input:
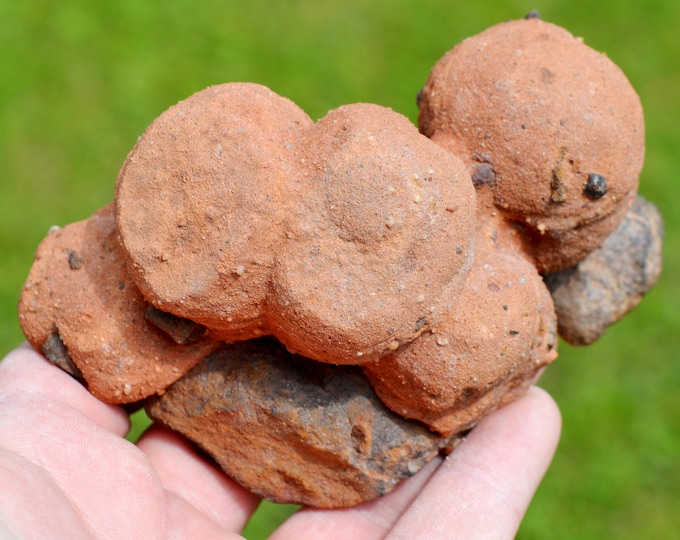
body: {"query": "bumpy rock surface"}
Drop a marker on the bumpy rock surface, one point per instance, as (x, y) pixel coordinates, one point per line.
(80, 308)
(487, 350)
(356, 240)
(553, 126)
(294, 430)
(200, 204)
(382, 230)
(237, 212)
(612, 280)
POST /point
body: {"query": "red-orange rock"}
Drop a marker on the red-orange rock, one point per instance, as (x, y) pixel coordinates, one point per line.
(355, 240)
(237, 212)
(201, 205)
(488, 349)
(294, 430)
(553, 126)
(386, 223)
(80, 308)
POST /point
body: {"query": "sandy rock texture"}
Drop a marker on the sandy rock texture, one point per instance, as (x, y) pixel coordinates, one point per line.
(488, 349)
(294, 430)
(80, 307)
(237, 212)
(553, 126)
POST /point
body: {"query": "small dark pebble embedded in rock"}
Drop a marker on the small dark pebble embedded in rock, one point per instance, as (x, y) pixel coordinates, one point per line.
(55, 351)
(483, 174)
(75, 261)
(419, 97)
(181, 331)
(595, 186)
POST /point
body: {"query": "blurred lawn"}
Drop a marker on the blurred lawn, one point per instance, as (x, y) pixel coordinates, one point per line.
(80, 80)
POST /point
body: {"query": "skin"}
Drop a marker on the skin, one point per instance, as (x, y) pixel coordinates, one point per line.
(71, 474)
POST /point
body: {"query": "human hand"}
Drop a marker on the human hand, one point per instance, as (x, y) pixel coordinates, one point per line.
(67, 472)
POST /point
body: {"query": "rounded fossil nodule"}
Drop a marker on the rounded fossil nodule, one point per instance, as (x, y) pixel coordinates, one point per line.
(325, 306)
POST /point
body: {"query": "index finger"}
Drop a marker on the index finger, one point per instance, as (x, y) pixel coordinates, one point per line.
(26, 372)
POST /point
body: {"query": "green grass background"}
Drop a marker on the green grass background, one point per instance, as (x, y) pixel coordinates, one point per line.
(80, 80)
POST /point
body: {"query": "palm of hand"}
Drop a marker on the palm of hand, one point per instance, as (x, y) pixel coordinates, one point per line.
(67, 472)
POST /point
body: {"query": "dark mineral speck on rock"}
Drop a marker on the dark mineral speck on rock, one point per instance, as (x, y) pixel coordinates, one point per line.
(595, 186)
(181, 331)
(294, 430)
(55, 351)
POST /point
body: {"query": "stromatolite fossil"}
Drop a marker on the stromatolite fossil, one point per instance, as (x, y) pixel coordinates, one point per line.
(397, 273)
